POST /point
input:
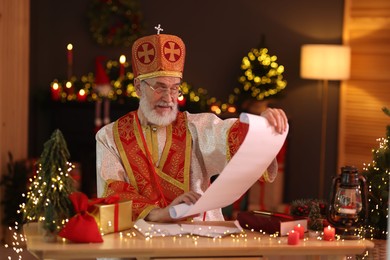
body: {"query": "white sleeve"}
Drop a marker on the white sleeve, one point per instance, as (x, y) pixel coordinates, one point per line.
(108, 162)
(209, 134)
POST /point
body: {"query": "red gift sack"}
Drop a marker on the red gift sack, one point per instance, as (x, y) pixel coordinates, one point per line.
(82, 227)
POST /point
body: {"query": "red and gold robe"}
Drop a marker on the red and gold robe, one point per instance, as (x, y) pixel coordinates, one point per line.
(184, 155)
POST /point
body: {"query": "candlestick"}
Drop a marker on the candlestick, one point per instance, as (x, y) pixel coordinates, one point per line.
(293, 238)
(122, 60)
(301, 231)
(329, 233)
(69, 47)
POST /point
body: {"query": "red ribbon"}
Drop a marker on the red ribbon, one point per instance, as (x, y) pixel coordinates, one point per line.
(113, 199)
(116, 217)
(108, 200)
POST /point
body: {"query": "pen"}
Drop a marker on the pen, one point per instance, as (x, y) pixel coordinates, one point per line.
(267, 213)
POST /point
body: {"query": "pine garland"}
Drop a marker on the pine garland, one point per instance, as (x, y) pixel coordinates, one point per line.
(123, 90)
(47, 198)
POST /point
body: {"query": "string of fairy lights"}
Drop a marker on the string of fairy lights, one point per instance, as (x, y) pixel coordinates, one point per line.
(37, 194)
(378, 205)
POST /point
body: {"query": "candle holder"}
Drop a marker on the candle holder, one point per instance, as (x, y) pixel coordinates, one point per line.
(348, 203)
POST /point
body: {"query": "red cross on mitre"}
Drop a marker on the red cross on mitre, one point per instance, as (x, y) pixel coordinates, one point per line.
(172, 51)
(158, 55)
(146, 53)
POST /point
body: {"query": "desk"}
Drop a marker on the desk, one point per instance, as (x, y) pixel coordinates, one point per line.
(251, 245)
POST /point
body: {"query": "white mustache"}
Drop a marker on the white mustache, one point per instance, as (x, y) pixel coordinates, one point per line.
(165, 104)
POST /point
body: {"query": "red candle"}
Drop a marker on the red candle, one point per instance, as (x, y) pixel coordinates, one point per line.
(69, 56)
(122, 60)
(69, 47)
(55, 91)
(329, 233)
(293, 238)
(300, 230)
(181, 101)
(81, 95)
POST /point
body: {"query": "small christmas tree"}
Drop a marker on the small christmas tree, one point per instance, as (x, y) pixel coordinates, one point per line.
(377, 177)
(47, 198)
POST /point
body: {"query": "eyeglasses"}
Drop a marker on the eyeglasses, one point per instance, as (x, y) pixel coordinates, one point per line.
(160, 90)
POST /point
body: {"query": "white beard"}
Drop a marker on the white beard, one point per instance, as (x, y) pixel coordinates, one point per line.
(153, 117)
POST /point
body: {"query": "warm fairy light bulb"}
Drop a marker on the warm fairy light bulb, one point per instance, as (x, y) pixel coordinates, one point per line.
(231, 109)
(69, 47)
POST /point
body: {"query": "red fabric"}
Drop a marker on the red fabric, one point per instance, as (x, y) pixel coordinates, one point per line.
(82, 227)
(148, 188)
(101, 77)
(116, 217)
(107, 200)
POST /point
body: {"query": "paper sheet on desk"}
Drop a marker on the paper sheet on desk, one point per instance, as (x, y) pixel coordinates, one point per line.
(260, 147)
(149, 229)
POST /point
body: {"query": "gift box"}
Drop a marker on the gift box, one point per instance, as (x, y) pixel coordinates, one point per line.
(113, 216)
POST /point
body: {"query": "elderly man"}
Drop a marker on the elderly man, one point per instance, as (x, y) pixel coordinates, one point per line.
(160, 157)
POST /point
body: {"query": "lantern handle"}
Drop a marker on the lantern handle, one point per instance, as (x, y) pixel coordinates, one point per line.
(335, 182)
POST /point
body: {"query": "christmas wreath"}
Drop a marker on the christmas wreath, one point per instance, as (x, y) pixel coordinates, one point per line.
(114, 22)
(262, 76)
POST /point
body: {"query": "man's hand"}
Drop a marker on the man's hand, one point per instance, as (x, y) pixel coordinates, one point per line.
(162, 214)
(277, 118)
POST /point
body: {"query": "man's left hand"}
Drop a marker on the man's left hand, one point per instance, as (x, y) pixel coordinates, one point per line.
(277, 118)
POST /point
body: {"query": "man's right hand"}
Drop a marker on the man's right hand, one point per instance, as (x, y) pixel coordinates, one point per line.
(162, 214)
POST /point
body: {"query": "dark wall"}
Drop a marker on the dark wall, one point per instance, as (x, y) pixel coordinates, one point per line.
(217, 35)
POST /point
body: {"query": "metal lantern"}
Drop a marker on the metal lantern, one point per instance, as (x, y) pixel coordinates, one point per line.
(348, 207)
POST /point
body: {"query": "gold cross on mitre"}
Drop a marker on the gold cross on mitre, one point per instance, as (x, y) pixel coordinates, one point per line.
(158, 28)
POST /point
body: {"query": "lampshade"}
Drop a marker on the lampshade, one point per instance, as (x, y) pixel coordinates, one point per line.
(324, 61)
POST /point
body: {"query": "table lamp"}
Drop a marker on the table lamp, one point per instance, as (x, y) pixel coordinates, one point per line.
(324, 62)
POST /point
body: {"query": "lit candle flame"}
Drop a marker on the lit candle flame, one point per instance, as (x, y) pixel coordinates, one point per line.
(122, 59)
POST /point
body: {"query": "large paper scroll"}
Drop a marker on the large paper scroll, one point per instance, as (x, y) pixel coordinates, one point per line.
(261, 145)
